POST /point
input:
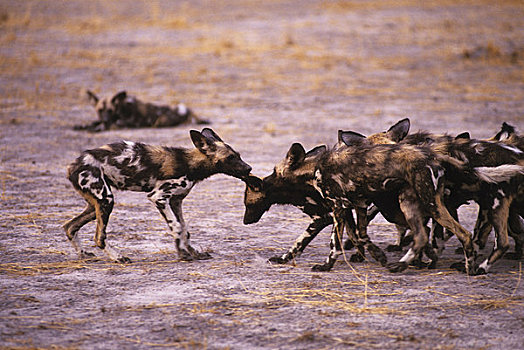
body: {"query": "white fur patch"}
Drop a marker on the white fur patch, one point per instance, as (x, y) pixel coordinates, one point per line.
(511, 148)
(500, 173)
(478, 147)
(311, 201)
(181, 109)
(317, 181)
(434, 178)
(485, 265)
(410, 255)
(129, 154)
(179, 187)
(86, 175)
(90, 160)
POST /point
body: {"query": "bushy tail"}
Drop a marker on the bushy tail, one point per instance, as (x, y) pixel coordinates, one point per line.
(501, 173)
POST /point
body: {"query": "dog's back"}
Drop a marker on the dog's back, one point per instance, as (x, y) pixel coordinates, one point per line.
(127, 165)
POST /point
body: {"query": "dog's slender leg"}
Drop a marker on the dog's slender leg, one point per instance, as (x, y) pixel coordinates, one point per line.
(318, 224)
(363, 238)
(400, 243)
(160, 199)
(72, 226)
(176, 206)
(443, 217)
(103, 208)
(516, 230)
(499, 218)
(91, 183)
(441, 236)
(409, 204)
(354, 239)
(482, 227)
(335, 242)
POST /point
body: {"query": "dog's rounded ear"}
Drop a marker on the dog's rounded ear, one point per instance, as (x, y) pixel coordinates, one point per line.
(399, 131)
(505, 132)
(316, 151)
(202, 143)
(210, 134)
(295, 155)
(465, 135)
(351, 138)
(119, 96)
(92, 97)
(254, 182)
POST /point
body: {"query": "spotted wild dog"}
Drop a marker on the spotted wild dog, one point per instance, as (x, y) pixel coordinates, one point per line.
(500, 177)
(509, 138)
(124, 111)
(261, 194)
(477, 153)
(166, 174)
(359, 172)
(290, 183)
(287, 186)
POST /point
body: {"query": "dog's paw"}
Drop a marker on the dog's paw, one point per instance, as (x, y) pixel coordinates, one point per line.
(419, 264)
(459, 266)
(322, 267)
(377, 254)
(86, 255)
(203, 256)
(393, 248)
(479, 271)
(124, 260)
(277, 260)
(356, 258)
(397, 267)
(432, 265)
(184, 255)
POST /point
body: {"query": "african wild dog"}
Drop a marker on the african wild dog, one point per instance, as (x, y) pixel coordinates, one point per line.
(361, 172)
(500, 176)
(478, 153)
(124, 111)
(288, 185)
(291, 183)
(293, 189)
(166, 174)
(508, 138)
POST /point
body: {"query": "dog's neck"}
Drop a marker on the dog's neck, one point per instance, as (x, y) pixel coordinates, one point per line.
(199, 166)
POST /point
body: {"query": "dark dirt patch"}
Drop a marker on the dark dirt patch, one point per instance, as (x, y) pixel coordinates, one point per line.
(267, 74)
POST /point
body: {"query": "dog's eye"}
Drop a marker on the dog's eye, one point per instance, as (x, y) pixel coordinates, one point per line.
(231, 158)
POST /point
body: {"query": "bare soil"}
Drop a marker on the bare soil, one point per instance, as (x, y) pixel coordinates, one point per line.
(267, 73)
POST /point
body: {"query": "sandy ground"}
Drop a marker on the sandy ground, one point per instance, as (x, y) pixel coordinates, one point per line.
(267, 74)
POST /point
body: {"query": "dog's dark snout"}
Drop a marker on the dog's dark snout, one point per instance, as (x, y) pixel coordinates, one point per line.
(245, 170)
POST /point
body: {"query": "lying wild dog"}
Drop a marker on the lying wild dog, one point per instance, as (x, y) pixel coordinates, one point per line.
(288, 185)
(361, 172)
(166, 174)
(124, 111)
